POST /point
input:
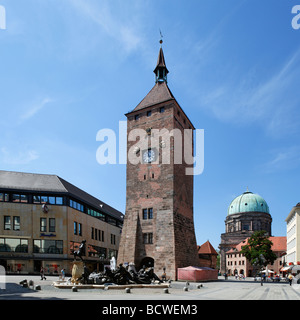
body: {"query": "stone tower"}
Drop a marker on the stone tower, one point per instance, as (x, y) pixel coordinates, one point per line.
(158, 228)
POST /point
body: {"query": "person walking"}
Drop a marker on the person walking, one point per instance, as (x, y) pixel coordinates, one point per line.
(290, 277)
(42, 272)
(63, 274)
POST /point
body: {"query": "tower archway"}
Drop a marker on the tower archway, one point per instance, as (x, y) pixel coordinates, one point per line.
(148, 262)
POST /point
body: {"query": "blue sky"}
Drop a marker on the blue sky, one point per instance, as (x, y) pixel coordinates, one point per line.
(69, 68)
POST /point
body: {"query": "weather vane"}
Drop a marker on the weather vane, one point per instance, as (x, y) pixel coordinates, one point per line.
(161, 36)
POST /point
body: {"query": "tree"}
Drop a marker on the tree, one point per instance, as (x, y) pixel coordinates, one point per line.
(258, 250)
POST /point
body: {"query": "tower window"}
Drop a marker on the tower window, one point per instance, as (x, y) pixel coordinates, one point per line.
(145, 215)
(148, 213)
(162, 109)
(149, 113)
(136, 117)
(148, 238)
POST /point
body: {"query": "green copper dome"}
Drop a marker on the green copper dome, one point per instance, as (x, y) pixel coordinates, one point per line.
(248, 202)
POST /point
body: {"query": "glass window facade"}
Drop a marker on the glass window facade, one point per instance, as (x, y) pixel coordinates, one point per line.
(51, 224)
(43, 224)
(4, 197)
(76, 205)
(16, 222)
(48, 246)
(20, 198)
(7, 223)
(96, 214)
(13, 245)
(44, 199)
(95, 251)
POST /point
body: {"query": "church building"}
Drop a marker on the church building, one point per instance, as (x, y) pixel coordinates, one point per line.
(247, 213)
(158, 226)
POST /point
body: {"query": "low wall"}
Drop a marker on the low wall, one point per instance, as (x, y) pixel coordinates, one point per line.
(197, 274)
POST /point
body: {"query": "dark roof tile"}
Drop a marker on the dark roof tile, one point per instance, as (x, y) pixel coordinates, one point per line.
(10, 180)
(159, 93)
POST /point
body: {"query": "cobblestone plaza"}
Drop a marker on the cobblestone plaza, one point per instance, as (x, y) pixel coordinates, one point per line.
(230, 289)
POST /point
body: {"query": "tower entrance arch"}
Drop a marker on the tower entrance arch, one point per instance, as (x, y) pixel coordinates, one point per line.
(148, 262)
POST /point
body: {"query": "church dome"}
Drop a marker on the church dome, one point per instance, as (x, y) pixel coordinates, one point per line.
(248, 202)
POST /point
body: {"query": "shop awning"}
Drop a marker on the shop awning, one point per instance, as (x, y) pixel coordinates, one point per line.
(286, 268)
(267, 271)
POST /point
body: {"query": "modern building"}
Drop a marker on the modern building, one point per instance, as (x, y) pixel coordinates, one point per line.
(158, 226)
(43, 218)
(293, 236)
(236, 263)
(246, 214)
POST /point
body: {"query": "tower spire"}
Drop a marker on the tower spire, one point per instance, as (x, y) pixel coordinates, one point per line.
(161, 70)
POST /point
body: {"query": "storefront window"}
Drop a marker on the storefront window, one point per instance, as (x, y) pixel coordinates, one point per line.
(95, 251)
(13, 245)
(48, 246)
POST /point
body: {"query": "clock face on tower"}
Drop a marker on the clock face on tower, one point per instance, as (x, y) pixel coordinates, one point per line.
(148, 156)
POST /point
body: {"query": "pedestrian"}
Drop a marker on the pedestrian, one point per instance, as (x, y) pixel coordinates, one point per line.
(63, 274)
(42, 272)
(290, 277)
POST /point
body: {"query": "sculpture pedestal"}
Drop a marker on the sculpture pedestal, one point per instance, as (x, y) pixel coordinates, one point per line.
(77, 271)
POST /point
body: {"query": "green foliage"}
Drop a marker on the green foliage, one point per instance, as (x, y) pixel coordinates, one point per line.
(258, 249)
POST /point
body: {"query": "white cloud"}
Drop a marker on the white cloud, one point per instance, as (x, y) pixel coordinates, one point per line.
(34, 109)
(129, 38)
(272, 103)
(123, 28)
(283, 159)
(20, 157)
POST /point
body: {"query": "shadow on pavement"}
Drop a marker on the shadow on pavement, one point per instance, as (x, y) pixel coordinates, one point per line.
(14, 291)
